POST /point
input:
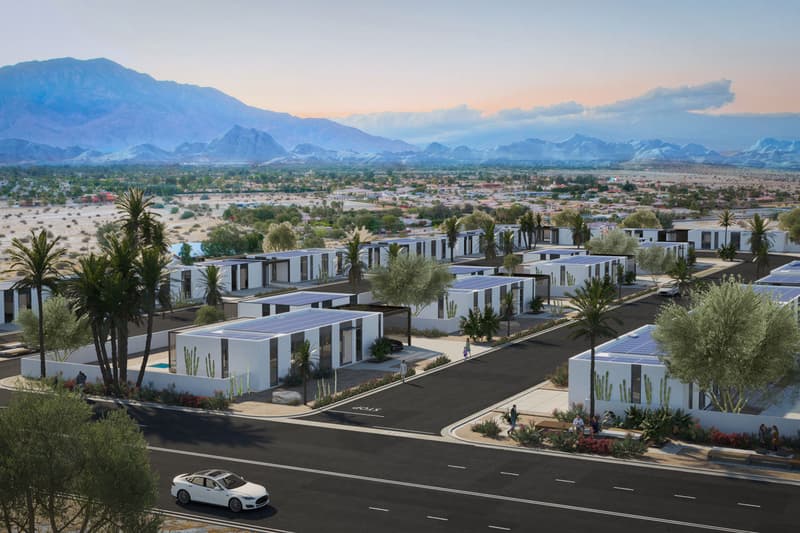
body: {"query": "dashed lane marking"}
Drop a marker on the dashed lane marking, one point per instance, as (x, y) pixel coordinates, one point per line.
(749, 505)
(501, 528)
(379, 509)
(437, 518)
(459, 467)
(565, 480)
(509, 474)
(623, 488)
(685, 497)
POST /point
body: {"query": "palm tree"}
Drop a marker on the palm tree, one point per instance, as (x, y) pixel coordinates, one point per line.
(394, 251)
(760, 241)
(726, 219)
(681, 272)
(212, 280)
(527, 227)
(593, 301)
(450, 227)
(151, 269)
(301, 361)
(122, 284)
(137, 220)
(352, 261)
(86, 290)
(489, 240)
(507, 242)
(471, 324)
(38, 266)
(490, 323)
(538, 224)
(508, 307)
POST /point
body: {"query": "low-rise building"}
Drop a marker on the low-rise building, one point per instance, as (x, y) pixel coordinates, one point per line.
(568, 273)
(292, 301)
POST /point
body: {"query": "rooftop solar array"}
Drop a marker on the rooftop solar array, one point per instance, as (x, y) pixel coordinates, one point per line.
(270, 326)
(793, 266)
(636, 347)
(584, 260)
(298, 298)
(475, 283)
(781, 278)
(779, 293)
(464, 269)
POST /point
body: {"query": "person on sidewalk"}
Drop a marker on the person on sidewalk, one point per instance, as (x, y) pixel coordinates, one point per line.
(467, 349)
(776, 437)
(513, 415)
(578, 424)
(595, 425)
(403, 370)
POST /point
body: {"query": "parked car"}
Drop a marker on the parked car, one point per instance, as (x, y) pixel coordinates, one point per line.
(396, 345)
(219, 487)
(669, 289)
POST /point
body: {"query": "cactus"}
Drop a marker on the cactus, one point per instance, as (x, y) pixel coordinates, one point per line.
(452, 308)
(570, 279)
(648, 390)
(624, 392)
(191, 360)
(664, 392)
(211, 366)
(602, 387)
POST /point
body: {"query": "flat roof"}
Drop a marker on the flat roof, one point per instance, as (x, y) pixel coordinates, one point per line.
(226, 262)
(660, 244)
(634, 347)
(779, 293)
(263, 328)
(298, 298)
(562, 251)
(294, 253)
(792, 266)
(465, 269)
(584, 259)
(474, 283)
(780, 278)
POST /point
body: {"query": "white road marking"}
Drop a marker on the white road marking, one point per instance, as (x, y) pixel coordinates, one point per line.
(457, 466)
(405, 430)
(564, 480)
(624, 488)
(509, 474)
(219, 522)
(354, 413)
(448, 490)
(749, 505)
(379, 509)
(501, 528)
(437, 518)
(685, 497)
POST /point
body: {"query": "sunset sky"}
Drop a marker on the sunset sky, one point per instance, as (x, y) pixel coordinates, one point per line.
(337, 58)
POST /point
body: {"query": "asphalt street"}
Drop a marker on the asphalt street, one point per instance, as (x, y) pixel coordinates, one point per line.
(431, 402)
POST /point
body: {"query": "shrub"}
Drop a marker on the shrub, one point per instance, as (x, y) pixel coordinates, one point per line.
(208, 315)
(630, 277)
(560, 376)
(428, 333)
(565, 441)
(381, 349)
(536, 305)
(487, 428)
(174, 211)
(576, 409)
(528, 435)
(187, 214)
(439, 361)
(596, 446)
(354, 391)
(743, 441)
(293, 378)
(633, 417)
(628, 447)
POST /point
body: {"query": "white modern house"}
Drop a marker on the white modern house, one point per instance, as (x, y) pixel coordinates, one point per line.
(568, 273)
(259, 350)
(291, 301)
(473, 292)
(548, 254)
(468, 243)
(712, 238)
(463, 271)
(432, 245)
(298, 266)
(13, 301)
(678, 250)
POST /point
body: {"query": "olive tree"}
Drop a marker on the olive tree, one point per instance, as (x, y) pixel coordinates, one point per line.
(63, 472)
(642, 218)
(655, 259)
(732, 343)
(280, 237)
(64, 331)
(410, 280)
(615, 242)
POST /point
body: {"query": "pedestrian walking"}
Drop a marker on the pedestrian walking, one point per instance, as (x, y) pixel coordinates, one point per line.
(513, 415)
(776, 437)
(80, 382)
(403, 370)
(467, 349)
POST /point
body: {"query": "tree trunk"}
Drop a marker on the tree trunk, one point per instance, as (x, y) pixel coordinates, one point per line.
(114, 357)
(146, 348)
(452, 248)
(102, 360)
(305, 390)
(591, 378)
(122, 353)
(42, 360)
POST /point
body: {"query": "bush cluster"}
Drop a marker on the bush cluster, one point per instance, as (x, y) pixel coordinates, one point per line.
(381, 349)
(560, 376)
(439, 361)
(364, 387)
(487, 428)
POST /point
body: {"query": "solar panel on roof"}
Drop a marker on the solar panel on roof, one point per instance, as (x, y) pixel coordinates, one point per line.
(780, 293)
(782, 278)
(299, 298)
(583, 260)
(483, 282)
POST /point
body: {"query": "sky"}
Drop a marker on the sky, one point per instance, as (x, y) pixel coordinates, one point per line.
(389, 66)
(337, 58)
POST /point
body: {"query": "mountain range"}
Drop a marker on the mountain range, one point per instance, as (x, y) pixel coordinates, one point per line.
(97, 112)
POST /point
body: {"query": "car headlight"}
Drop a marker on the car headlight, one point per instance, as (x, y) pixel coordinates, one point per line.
(248, 498)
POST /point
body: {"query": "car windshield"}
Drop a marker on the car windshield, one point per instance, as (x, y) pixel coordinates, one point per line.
(232, 481)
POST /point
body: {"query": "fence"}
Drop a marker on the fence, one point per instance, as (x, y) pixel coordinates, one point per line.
(88, 354)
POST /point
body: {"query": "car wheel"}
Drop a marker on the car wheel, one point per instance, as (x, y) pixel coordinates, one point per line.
(183, 497)
(235, 505)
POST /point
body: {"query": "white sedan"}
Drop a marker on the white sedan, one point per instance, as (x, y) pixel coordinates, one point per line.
(669, 289)
(219, 487)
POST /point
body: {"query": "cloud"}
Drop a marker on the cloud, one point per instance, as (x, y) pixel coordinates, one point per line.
(557, 110)
(438, 120)
(710, 95)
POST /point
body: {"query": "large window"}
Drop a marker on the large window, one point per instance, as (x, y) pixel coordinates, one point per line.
(224, 364)
(636, 383)
(705, 240)
(304, 268)
(273, 361)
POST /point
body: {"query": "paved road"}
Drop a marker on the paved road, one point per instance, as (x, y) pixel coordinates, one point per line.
(429, 403)
(331, 480)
